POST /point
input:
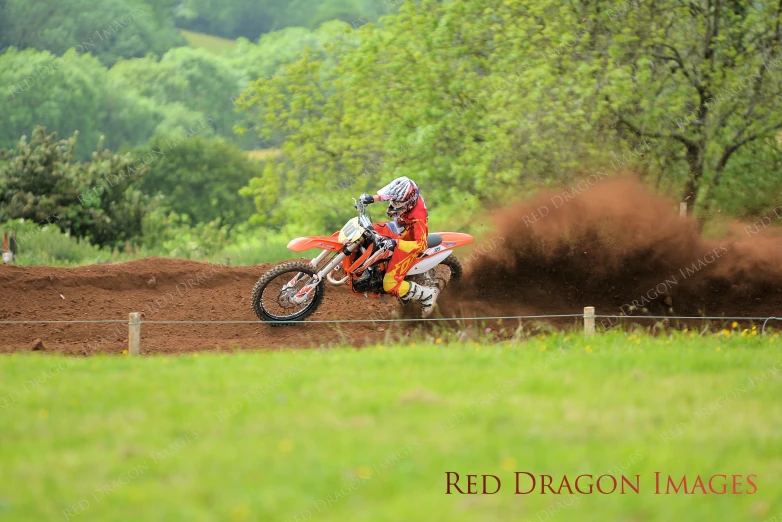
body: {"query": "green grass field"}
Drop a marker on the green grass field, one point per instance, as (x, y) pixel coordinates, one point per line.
(368, 435)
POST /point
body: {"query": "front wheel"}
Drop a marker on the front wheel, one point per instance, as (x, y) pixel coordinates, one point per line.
(274, 297)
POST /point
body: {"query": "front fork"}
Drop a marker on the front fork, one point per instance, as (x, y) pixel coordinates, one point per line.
(303, 294)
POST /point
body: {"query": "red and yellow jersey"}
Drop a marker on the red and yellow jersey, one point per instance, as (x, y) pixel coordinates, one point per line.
(416, 227)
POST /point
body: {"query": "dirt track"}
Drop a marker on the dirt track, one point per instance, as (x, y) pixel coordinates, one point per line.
(608, 247)
(162, 289)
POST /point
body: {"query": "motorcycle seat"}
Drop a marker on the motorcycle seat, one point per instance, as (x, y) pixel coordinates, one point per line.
(432, 240)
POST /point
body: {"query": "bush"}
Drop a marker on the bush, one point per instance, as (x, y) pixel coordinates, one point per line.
(202, 178)
(48, 245)
(41, 181)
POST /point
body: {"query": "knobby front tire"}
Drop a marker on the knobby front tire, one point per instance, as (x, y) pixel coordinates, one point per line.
(284, 273)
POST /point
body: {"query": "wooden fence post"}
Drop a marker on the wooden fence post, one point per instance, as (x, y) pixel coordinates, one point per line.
(589, 320)
(134, 333)
(683, 208)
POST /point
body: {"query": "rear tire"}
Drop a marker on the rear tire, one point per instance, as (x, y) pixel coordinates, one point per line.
(456, 269)
(291, 268)
(413, 310)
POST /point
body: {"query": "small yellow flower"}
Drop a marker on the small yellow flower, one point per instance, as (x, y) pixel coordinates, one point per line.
(508, 464)
(124, 352)
(718, 349)
(734, 324)
(685, 330)
(726, 332)
(692, 335)
(380, 347)
(567, 337)
(667, 342)
(364, 471)
(588, 349)
(285, 446)
(438, 340)
(412, 344)
(543, 348)
(44, 414)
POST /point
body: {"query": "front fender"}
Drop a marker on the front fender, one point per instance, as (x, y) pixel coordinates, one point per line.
(301, 244)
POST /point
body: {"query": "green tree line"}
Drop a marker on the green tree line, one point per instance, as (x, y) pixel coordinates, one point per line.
(479, 95)
(477, 100)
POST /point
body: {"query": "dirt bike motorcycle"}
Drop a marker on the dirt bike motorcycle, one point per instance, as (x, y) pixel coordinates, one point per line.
(292, 291)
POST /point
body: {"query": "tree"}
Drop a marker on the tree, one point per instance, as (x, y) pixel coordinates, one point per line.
(69, 96)
(252, 18)
(109, 31)
(4, 25)
(201, 178)
(472, 95)
(41, 181)
(702, 75)
(193, 79)
(442, 91)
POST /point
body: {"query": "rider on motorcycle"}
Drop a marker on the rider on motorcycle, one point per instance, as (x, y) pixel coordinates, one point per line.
(406, 207)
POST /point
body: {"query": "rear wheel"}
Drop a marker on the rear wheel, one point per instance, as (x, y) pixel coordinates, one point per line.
(274, 297)
(448, 272)
(456, 269)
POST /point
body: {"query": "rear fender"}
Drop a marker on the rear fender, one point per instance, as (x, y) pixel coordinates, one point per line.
(455, 239)
(450, 241)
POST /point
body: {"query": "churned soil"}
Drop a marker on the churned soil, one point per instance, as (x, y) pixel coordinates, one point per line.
(164, 289)
(621, 249)
(613, 246)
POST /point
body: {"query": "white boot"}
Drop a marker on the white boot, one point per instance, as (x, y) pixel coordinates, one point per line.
(425, 294)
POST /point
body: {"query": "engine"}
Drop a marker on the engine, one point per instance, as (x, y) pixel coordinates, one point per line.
(370, 281)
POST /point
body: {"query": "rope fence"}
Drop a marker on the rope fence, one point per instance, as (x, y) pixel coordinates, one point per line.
(134, 321)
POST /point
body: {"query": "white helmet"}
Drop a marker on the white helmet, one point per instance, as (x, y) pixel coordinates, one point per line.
(401, 194)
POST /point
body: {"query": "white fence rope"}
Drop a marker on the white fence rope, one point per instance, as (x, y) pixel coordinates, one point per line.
(134, 322)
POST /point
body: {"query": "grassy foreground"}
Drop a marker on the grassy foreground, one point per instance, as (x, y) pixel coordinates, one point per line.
(367, 435)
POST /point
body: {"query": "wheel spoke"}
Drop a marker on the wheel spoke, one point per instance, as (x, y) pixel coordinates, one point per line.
(277, 300)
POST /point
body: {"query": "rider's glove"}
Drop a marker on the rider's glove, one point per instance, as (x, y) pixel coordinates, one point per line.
(388, 243)
(366, 199)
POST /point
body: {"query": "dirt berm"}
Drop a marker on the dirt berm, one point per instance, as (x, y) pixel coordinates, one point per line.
(613, 246)
(162, 289)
